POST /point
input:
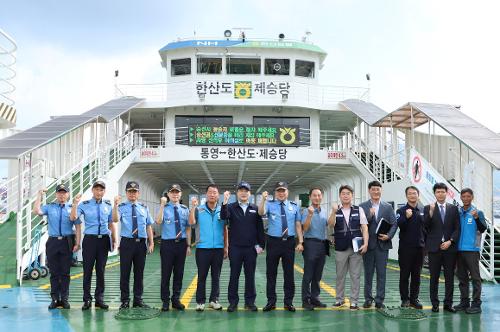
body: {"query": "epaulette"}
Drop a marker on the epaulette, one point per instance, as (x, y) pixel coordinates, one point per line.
(107, 201)
(183, 206)
(293, 203)
(143, 205)
(85, 202)
(121, 204)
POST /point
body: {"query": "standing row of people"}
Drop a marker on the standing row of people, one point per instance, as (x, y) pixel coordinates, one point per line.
(449, 235)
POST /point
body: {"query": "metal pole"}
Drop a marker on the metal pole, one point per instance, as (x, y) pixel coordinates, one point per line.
(19, 222)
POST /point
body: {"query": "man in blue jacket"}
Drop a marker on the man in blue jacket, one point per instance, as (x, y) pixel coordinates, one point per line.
(472, 224)
(246, 240)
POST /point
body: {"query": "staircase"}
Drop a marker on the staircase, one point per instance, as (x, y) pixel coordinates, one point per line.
(377, 167)
(490, 254)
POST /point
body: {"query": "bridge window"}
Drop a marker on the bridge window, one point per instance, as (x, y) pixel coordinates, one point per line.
(277, 66)
(304, 68)
(242, 66)
(181, 67)
(209, 65)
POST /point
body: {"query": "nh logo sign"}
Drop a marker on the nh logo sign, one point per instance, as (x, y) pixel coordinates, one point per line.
(207, 43)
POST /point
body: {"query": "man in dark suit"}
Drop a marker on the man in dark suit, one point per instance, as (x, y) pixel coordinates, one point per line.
(377, 254)
(442, 224)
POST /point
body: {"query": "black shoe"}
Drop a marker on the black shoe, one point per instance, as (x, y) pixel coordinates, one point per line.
(338, 304)
(405, 303)
(178, 305)
(474, 309)
(416, 304)
(379, 305)
(269, 307)
(140, 304)
(64, 304)
(354, 306)
(125, 305)
(86, 305)
(289, 307)
(318, 304)
(367, 304)
(463, 306)
(53, 304)
(307, 306)
(449, 308)
(435, 308)
(232, 307)
(101, 304)
(165, 306)
(251, 307)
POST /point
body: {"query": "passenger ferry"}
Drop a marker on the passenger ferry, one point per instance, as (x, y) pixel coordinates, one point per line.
(236, 108)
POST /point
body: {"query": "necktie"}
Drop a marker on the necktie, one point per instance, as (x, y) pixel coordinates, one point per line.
(60, 219)
(99, 218)
(284, 224)
(135, 231)
(177, 223)
(441, 209)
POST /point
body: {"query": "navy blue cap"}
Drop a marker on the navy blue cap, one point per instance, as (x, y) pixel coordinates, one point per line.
(243, 184)
(61, 187)
(281, 185)
(132, 185)
(175, 186)
(99, 183)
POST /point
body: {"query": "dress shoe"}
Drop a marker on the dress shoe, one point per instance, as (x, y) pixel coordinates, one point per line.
(53, 304)
(64, 304)
(125, 305)
(165, 306)
(473, 309)
(338, 304)
(462, 306)
(367, 304)
(307, 306)
(232, 307)
(86, 305)
(318, 304)
(435, 308)
(269, 307)
(289, 307)
(354, 306)
(449, 308)
(139, 304)
(416, 304)
(101, 304)
(379, 305)
(178, 305)
(405, 304)
(251, 307)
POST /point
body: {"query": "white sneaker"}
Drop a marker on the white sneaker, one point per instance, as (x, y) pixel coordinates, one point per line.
(200, 306)
(215, 305)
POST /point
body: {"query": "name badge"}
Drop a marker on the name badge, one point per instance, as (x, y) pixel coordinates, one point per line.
(252, 211)
(355, 214)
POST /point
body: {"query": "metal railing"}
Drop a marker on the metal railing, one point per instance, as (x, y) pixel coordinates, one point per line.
(8, 48)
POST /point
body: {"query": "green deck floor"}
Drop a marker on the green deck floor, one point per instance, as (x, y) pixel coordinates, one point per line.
(279, 320)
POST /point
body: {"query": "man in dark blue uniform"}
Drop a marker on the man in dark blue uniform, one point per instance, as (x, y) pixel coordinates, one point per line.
(99, 239)
(175, 245)
(246, 240)
(61, 245)
(411, 247)
(283, 223)
(136, 239)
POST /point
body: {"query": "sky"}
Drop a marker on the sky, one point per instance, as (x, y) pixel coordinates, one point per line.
(425, 51)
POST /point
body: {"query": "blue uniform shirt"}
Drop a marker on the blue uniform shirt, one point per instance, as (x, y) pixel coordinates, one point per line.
(168, 226)
(96, 215)
(143, 219)
(317, 228)
(58, 219)
(274, 217)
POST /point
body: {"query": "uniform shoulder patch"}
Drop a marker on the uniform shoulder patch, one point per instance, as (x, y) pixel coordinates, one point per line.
(293, 203)
(85, 202)
(121, 204)
(107, 201)
(70, 205)
(143, 205)
(183, 206)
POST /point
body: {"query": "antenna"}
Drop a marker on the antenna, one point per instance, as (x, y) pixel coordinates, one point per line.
(242, 32)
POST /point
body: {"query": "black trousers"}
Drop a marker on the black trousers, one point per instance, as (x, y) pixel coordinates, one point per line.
(59, 258)
(239, 257)
(95, 254)
(132, 252)
(285, 250)
(468, 269)
(447, 260)
(410, 263)
(173, 258)
(208, 259)
(314, 261)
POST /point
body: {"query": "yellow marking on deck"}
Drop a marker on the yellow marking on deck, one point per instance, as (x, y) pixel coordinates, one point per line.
(79, 275)
(5, 286)
(190, 291)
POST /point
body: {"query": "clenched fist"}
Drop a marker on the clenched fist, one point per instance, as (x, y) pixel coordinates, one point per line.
(310, 210)
(265, 194)
(163, 201)
(77, 199)
(194, 202)
(227, 195)
(118, 199)
(409, 213)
